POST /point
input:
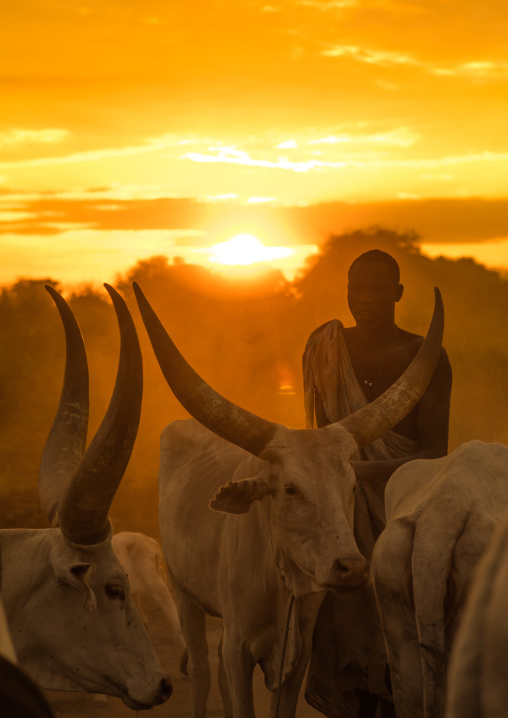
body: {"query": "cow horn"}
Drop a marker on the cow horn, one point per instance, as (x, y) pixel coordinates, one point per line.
(66, 442)
(221, 416)
(395, 403)
(84, 504)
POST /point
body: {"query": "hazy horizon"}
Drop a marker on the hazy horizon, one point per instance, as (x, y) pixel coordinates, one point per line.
(83, 238)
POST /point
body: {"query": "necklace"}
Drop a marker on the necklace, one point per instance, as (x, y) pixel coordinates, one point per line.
(366, 381)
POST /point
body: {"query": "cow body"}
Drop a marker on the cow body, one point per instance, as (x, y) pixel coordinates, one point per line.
(440, 517)
(245, 568)
(478, 676)
(142, 559)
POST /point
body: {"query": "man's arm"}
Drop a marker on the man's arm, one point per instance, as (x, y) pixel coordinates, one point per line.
(433, 413)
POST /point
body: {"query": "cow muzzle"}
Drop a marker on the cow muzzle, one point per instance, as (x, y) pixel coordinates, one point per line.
(161, 695)
(345, 573)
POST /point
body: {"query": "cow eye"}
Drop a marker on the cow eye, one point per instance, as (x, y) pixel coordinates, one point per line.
(115, 592)
(290, 490)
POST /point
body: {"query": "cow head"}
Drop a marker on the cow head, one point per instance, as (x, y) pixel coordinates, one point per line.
(76, 627)
(306, 488)
(308, 481)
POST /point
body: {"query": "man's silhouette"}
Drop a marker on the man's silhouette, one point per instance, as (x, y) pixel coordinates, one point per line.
(345, 368)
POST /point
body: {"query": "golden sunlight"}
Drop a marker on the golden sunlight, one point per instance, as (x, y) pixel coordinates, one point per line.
(246, 249)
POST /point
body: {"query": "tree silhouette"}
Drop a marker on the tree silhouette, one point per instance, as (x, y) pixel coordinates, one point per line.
(246, 339)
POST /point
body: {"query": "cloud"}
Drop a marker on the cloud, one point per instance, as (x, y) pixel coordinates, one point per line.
(385, 58)
(151, 144)
(328, 4)
(344, 146)
(399, 137)
(16, 137)
(446, 161)
(124, 192)
(400, 8)
(371, 57)
(229, 155)
(240, 157)
(288, 145)
(6, 216)
(89, 156)
(478, 69)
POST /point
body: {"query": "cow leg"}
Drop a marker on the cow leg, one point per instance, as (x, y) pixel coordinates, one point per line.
(290, 690)
(193, 623)
(391, 573)
(223, 685)
(239, 667)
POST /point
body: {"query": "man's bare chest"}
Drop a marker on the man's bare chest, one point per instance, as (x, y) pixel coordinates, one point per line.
(376, 369)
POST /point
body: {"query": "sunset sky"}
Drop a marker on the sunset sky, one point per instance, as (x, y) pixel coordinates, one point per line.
(167, 127)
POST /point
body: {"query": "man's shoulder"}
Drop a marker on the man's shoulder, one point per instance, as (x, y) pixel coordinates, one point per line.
(319, 331)
(409, 339)
(410, 343)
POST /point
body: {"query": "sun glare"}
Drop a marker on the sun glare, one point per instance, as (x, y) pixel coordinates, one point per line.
(244, 249)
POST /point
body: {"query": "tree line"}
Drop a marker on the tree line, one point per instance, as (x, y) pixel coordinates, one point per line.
(246, 339)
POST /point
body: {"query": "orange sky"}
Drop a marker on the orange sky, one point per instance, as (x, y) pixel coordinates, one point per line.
(246, 104)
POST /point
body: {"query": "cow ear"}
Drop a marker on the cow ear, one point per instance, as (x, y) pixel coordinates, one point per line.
(78, 575)
(81, 573)
(236, 497)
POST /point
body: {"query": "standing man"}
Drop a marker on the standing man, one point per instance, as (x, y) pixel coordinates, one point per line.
(344, 369)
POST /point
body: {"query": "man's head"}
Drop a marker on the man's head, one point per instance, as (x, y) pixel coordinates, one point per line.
(373, 288)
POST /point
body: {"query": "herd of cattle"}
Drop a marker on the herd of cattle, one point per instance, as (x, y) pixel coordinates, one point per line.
(256, 524)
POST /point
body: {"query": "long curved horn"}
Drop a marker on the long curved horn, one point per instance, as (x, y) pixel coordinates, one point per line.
(66, 441)
(221, 416)
(84, 506)
(395, 403)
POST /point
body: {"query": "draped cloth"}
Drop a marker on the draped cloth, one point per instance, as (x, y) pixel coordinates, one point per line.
(348, 648)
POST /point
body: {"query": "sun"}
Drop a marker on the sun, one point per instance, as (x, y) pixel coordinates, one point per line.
(244, 249)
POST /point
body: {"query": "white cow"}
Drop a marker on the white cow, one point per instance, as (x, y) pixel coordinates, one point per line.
(440, 516)
(293, 538)
(67, 600)
(478, 675)
(142, 559)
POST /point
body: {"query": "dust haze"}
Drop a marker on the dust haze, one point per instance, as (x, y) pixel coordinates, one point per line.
(246, 339)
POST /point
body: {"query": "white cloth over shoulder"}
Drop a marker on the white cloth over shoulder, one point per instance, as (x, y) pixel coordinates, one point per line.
(327, 368)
